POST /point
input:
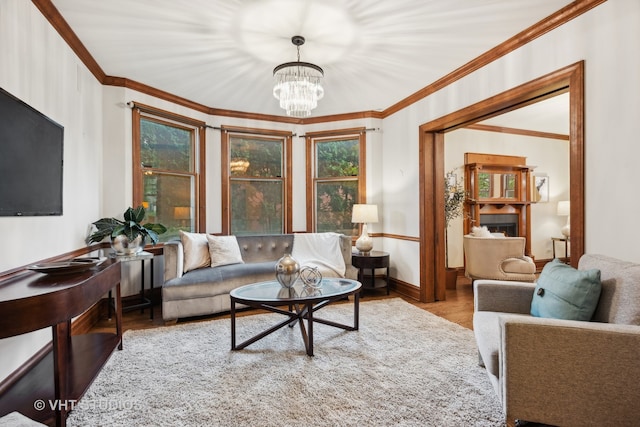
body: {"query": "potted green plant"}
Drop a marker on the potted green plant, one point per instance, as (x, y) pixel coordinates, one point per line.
(454, 196)
(129, 236)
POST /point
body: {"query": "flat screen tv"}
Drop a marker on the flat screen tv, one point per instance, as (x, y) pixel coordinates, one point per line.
(31, 160)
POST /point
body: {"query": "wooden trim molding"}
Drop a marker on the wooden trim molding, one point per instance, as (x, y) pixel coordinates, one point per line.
(199, 144)
(288, 183)
(431, 161)
(23, 369)
(513, 131)
(51, 13)
(225, 191)
(313, 138)
(548, 24)
(562, 16)
(287, 140)
(399, 237)
(404, 288)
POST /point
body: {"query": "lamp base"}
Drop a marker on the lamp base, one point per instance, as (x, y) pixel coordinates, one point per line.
(364, 244)
(566, 231)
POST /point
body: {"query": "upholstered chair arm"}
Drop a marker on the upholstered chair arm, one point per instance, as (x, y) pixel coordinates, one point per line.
(173, 260)
(503, 296)
(563, 372)
(497, 258)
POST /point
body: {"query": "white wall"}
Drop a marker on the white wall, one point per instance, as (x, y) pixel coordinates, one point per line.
(38, 67)
(550, 156)
(607, 38)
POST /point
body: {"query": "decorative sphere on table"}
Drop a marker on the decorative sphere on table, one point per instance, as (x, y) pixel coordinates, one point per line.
(311, 277)
(287, 271)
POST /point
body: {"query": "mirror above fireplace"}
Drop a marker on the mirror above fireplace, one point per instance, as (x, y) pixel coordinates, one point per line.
(498, 189)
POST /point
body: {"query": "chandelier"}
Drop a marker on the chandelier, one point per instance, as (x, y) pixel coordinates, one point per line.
(298, 86)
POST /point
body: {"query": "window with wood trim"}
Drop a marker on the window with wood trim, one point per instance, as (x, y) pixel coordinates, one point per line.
(256, 181)
(336, 179)
(168, 170)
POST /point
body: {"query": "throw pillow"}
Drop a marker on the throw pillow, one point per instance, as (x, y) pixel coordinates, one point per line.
(562, 292)
(224, 250)
(196, 250)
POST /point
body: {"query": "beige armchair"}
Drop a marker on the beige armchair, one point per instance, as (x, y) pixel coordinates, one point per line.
(497, 258)
(563, 372)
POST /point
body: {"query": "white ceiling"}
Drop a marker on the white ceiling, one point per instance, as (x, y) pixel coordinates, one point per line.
(221, 53)
(550, 115)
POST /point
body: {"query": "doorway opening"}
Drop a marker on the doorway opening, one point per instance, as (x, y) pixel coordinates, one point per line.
(432, 175)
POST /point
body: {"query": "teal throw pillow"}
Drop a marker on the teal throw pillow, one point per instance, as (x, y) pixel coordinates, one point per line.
(562, 292)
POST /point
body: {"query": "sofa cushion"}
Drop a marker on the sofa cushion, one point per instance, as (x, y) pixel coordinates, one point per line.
(207, 282)
(486, 328)
(620, 289)
(224, 250)
(196, 250)
(562, 292)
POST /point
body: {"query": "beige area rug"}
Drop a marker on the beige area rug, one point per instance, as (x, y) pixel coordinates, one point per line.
(404, 367)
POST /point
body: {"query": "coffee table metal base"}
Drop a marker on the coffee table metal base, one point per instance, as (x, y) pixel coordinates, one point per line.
(296, 313)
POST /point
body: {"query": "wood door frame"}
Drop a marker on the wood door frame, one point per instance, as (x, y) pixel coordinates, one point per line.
(431, 168)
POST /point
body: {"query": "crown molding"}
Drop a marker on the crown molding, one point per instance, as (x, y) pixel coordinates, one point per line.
(562, 16)
(538, 29)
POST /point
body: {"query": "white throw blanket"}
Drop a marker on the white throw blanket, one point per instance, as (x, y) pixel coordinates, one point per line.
(320, 250)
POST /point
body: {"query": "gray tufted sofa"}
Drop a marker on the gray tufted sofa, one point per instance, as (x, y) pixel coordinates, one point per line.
(206, 290)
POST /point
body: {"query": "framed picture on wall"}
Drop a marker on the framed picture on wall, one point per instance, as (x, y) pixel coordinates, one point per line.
(540, 188)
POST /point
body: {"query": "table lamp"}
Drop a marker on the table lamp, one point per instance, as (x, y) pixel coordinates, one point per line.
(182, 214)
(564, 209)
(364, 214)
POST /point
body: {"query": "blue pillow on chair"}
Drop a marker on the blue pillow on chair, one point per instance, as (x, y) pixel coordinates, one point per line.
(562, 292)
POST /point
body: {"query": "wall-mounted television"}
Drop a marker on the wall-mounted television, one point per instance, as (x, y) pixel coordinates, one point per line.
(31, 160)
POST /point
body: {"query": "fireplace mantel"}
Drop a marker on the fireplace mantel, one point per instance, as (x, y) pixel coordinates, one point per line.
(498, 194)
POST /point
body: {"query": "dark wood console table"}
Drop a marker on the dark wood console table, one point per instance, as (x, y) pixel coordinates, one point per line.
(30, 301)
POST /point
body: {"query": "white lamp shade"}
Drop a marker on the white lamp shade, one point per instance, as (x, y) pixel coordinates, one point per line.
(364, 214)
(564, 208)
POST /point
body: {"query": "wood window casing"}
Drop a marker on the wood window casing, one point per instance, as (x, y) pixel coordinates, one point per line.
(287, 167)
(312, 138)
(141, 111)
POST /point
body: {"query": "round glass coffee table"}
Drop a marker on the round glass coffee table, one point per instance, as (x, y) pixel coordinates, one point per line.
(302, 303)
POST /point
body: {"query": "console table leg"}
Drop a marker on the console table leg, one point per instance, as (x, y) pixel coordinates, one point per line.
(151, 286)
(61, 337)
(142, 287)
(119, 315)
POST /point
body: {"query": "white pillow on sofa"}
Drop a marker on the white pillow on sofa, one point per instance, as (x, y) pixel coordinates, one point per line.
(196, 250)
(224, 250)
(481, 232)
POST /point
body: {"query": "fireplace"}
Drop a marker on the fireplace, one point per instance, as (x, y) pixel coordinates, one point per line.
(501, 223)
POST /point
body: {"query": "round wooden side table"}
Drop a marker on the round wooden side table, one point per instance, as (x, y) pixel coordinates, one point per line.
(371, 261)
